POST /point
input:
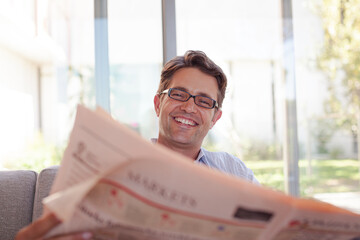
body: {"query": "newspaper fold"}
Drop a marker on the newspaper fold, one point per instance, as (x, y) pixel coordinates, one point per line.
(120, 186)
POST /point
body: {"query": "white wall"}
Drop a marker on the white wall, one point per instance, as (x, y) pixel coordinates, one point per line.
(18, 102)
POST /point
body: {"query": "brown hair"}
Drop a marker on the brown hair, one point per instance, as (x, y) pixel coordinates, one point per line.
(196, 59)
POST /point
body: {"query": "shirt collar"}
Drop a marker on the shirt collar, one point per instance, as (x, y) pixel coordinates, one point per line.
(201, 154)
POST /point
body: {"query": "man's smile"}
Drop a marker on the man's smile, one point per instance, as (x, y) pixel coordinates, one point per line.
(186, 121)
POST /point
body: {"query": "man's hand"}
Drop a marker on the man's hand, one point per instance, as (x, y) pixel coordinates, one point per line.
(38, 229)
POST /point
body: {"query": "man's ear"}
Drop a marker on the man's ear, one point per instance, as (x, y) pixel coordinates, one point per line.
(157, 104)
(216, 117)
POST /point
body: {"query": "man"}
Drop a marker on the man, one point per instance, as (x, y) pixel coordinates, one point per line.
(188, 104)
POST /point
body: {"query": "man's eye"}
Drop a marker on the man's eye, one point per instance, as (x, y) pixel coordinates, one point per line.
(205, 102)
(177, 95)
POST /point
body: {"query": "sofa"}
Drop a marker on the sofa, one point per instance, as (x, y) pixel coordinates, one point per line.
(21, 193)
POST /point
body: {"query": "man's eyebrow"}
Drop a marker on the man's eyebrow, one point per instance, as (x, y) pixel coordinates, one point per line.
(200, 93)
(182, 88)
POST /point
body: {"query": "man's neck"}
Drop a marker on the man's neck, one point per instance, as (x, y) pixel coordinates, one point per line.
(184, 149)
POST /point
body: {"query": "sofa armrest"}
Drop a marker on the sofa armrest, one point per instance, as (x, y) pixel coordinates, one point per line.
(17, 190)
(44, 182)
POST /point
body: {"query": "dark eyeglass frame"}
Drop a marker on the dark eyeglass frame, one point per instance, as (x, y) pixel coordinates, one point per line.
(168, 91)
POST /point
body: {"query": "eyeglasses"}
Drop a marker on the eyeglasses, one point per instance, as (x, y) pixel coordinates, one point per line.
(184, 96)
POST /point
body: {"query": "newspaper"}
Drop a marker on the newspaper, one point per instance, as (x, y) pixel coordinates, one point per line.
(120, 186)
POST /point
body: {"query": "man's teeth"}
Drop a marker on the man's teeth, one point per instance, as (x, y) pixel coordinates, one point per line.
(185, 121)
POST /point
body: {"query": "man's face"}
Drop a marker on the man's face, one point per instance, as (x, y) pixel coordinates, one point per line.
(185, 123)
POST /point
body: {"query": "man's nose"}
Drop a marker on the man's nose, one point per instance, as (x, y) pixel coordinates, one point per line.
(189, 105)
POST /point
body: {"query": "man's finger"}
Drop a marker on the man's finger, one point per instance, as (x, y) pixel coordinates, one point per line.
(38, 228)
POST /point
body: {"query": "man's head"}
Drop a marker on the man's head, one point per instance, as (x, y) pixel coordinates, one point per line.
(195, 59)
(190, 87)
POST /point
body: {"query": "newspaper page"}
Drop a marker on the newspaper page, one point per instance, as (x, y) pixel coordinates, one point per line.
(312, 220)
(120, 186)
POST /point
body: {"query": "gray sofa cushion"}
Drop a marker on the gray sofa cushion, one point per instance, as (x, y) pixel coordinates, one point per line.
(45, 180)
(17, 190)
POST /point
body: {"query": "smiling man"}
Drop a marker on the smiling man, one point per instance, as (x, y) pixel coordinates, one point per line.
(188, 104)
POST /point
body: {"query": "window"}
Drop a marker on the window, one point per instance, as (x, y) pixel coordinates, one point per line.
(135, 51)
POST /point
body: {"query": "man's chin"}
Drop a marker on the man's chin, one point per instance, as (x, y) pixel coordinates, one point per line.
(183, 141)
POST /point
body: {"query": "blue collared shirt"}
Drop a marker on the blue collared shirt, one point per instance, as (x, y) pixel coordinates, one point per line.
(225, 163)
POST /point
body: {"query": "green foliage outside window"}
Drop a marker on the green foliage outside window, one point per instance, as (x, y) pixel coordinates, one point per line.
(339, 60)
(340, 175)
